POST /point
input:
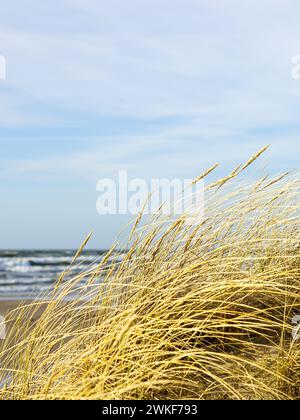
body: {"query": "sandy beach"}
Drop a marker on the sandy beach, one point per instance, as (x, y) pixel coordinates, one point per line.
(6, 306)
(9, 305)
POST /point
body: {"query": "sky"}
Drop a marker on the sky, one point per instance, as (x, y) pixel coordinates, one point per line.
(159, 88)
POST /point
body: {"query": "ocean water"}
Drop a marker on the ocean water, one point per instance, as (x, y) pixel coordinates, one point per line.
(31, 272)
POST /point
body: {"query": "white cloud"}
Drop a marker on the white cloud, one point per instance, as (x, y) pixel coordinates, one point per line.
(134, 65)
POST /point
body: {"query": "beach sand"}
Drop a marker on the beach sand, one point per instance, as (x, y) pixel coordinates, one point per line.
(8, 310)
(6, 306)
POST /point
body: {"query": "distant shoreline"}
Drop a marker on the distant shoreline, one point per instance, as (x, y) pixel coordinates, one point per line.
(17, 299)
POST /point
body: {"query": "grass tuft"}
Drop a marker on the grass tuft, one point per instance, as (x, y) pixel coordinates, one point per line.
(200, 310)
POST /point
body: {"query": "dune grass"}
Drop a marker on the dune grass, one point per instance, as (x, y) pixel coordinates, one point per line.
(202, 310)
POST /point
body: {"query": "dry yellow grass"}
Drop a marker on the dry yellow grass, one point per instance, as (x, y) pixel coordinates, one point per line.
(198, 311)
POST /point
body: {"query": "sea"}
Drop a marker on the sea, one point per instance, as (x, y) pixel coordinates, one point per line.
(29, 273)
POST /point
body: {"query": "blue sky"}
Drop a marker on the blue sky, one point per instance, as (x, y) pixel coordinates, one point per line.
(161, 88)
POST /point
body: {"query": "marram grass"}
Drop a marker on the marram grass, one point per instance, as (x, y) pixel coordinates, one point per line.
(202, 311)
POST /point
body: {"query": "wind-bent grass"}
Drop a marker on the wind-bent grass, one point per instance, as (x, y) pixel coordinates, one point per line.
(198, 310)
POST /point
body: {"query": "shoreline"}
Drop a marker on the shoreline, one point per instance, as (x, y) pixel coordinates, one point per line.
(17, 298)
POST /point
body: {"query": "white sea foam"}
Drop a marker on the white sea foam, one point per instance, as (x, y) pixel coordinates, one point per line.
(36, 271)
